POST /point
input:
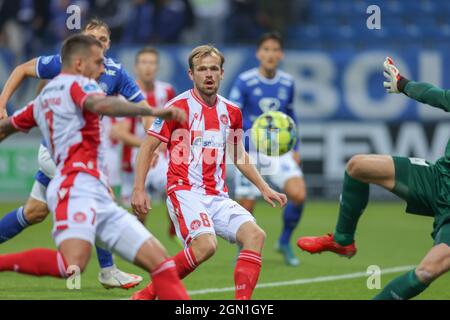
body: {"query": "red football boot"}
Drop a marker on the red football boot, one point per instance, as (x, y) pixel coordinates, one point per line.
(325, 243)
(148, 293)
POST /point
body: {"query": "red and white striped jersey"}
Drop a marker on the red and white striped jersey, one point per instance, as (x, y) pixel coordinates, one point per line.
(197, 148)
(156, 98)
(72, 133)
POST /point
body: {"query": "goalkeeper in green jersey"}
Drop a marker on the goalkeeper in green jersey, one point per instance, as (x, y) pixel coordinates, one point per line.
(424, 186)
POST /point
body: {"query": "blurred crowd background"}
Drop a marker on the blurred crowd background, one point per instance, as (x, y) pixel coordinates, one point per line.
(26, 26)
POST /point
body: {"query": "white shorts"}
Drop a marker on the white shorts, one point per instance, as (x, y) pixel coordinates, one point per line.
(45, 162)
(46, 167)
(193, 214)
(276, 170)
(83, 209)
(39, 192)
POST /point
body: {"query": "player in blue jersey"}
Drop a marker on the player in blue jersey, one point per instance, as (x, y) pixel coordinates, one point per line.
(256, 91)
(113, 81)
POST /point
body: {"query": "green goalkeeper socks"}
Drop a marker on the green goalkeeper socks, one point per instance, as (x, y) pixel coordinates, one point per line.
(354, 198)
(406, 286)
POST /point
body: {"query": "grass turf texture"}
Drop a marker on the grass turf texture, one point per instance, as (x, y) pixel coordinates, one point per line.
(386, 237)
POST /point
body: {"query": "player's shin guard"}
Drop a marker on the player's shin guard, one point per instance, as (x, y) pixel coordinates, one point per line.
(12, 224)
(354, 198)
(167, 283)
(246, 274)
(291, 217)
(37, 262)
(406, 286)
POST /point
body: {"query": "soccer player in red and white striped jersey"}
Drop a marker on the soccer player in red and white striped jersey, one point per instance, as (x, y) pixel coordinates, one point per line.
(67, 114)
(198, 200)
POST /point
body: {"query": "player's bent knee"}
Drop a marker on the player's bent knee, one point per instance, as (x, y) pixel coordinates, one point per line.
(35, 211)
(355, 165)
(298, 198)
(253, 237)
(204, 247)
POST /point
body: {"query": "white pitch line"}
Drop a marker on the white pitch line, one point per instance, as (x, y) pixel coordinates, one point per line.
(305, 281)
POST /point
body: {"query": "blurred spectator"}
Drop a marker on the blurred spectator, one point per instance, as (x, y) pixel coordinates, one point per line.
(243, 22)
(115, 13)
(272, 14)
(139, 28)
(171, 18)
(11, 33)
(210, 17)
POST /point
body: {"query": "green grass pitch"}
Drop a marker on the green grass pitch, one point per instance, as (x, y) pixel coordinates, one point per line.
(387, 237)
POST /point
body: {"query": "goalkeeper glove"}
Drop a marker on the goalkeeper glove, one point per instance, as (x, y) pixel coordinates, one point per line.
(395, 82)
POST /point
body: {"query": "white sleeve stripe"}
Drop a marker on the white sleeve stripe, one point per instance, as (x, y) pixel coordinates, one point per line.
(156, 135)
(37, 67)
(134, 95)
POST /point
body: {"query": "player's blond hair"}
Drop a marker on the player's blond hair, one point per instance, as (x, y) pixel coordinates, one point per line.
(203, 51)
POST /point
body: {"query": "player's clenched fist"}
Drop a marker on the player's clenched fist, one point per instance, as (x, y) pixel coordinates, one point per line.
(171, 114)
(392, 76)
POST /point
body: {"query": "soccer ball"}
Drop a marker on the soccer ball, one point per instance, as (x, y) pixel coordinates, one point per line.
(274, 133)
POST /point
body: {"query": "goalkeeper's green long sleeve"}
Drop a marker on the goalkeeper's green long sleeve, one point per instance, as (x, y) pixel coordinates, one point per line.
(426, 93)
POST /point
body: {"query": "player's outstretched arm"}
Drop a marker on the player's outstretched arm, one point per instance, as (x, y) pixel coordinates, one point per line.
(6, 129)
(419, 91)
(242, 162)
(139, 200)
(27, 69)
(115, 107)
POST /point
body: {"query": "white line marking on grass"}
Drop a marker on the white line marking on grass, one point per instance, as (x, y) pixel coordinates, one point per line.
(305, 281)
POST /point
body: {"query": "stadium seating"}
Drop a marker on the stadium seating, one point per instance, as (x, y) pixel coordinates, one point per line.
(342, 24)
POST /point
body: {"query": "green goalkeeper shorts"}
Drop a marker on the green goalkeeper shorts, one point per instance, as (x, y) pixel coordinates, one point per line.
(426, 191)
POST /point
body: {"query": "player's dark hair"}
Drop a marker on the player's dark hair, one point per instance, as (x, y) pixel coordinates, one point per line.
(95, 23)
(76, 44)
(270, 36)
(203, 51)
(146, 50)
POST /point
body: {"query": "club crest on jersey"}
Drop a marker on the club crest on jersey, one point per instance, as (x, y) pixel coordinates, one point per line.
(196, 116)
(224, 119)
(79, 217)
(195, 224)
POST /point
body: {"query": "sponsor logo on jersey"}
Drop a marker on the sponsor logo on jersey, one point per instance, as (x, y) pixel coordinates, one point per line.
(195, 224)
(269, 104)
(210, 139)
(79, 217)
(110, 72)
